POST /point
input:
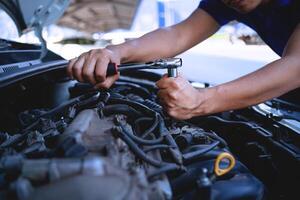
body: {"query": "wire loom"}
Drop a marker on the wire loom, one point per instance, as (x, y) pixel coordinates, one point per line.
(140, 123)
(156, 137)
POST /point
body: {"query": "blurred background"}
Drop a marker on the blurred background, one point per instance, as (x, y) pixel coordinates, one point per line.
(233, 51)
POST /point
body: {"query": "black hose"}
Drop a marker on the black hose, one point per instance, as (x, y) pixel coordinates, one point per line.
(140, 140)
(198, 153)
(131, 112)
(138, 152)
(138, 106)
(165, 169)
(83, 99)
(122, 109)
(137, 123)
(155, 147)
(163, 131)
(151, 128)
(252, 126)
(216, 137)
(141, 91)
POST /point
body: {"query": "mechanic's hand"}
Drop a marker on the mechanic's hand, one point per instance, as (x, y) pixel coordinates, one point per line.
(178, 97)
(91, 67)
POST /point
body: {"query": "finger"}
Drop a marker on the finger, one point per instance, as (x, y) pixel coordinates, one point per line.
(100, 69)
(167, 104)
(70, 66)
(162, 94)
(167, 82)
(161, 83)
(88, 70)
(162, 102)
(77, 68)
(109, 81)
(168, 94)
(164, 97)
(178, 113)
(171, 112)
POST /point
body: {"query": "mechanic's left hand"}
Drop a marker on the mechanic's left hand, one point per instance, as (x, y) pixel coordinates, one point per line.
(178, 97)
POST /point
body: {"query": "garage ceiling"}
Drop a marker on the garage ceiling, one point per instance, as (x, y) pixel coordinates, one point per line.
(100, 15)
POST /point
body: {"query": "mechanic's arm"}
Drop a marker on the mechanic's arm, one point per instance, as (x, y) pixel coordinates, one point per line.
(162, 43)
(182, 101)
(170, 41)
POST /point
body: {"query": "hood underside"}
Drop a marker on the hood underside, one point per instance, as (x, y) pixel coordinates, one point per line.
(99, 15)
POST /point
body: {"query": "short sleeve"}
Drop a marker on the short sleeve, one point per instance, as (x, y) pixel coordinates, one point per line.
(218, 10)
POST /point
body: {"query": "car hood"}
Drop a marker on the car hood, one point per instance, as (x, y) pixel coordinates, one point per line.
(100, 15)
(19, 61)
(33, 14)
(86, 15)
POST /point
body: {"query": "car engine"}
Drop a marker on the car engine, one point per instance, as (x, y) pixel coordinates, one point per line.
(60, 139)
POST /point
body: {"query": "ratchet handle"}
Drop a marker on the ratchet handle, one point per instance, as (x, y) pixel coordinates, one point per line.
(112, 69)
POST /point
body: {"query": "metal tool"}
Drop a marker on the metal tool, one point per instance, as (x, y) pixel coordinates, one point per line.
(170, 63)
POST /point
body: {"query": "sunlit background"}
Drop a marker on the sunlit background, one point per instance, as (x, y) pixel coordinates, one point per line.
(233, 51)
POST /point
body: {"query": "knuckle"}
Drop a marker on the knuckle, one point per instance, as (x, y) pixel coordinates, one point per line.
(105, 53)
(93, 51)
(164, 97)
(77, 74)
(173, 95)
(170, 104)
(82, 56)
(77, 67)
(105, 85)
(175, 85)
(69, 69)
(99, 77)
(86, 74)
(171, 112)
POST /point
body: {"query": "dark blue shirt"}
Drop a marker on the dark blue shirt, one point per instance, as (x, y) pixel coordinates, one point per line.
(274, 22)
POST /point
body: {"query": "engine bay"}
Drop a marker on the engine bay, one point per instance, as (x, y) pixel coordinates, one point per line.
(60, 139)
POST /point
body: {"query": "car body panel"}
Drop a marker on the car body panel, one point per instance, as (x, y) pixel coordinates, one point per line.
(63, 138)
(31, 14)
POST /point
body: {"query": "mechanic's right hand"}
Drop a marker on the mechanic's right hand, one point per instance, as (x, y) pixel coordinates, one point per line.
(91, 67)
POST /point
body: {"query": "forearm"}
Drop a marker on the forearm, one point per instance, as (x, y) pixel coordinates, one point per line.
(170, 41)
(160, 43)
(181, 101)
(270, 81)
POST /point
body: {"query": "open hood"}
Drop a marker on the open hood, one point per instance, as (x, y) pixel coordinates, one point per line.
(85, 15)
(99, 15)
(34, 14)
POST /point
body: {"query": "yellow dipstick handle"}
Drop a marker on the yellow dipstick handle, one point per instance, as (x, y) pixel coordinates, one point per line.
(221, 157)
